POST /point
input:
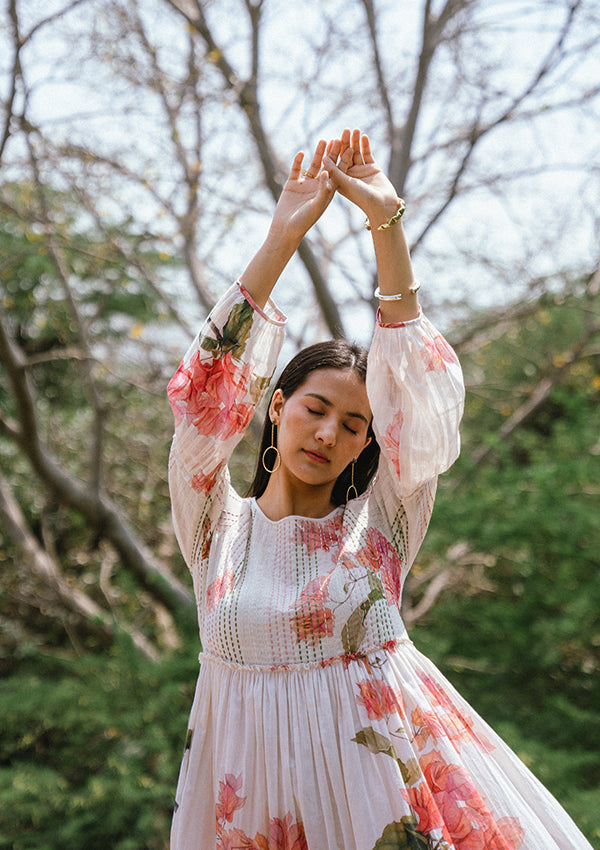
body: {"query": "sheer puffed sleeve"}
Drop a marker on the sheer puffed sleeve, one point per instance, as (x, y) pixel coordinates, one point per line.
(213, 394)
(416, 392)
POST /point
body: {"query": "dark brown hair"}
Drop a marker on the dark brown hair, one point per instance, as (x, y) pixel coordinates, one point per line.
(332, 354)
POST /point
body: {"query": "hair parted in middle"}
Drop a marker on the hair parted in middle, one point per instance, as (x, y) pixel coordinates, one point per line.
(330, 354)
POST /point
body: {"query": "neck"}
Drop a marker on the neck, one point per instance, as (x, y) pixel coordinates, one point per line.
(280, 499)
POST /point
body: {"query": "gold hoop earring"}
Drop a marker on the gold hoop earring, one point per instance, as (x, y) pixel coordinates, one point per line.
(274, 448)
(352, 485)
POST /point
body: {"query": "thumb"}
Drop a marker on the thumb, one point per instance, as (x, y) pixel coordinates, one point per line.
(337, 175)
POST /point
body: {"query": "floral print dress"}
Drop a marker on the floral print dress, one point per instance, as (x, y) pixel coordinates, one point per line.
(316, 722)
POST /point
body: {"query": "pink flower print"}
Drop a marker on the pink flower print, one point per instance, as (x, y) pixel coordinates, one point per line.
(427, 724)
(204, 482)
(437, 353)
(450, 721)
(219, 588)
(311, 620)
(421, 801)
(379, 556)
(229, 801)
(450, 779)
(233, 420)
(435, 691)
(236, 839)
(315, 591)
(313, 624)
(325, 535)
(466, 817)
(391, 440)
(226, 380)
(379, 698)
(285, 835)
(208, 394)
(508, 835)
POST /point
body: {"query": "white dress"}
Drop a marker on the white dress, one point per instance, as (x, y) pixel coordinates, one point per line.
(316, 722)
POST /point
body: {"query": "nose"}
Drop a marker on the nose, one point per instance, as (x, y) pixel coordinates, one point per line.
(326, 432)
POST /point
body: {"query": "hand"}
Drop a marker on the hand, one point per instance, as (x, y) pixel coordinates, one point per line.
(305, 197)
(358, 177)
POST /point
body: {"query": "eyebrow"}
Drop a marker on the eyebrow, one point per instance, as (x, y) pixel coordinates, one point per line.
(329, 403)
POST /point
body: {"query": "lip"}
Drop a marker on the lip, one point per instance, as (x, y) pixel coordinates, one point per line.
(317, 457)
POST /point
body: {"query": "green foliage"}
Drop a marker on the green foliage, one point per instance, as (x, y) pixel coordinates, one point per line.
(89, 750)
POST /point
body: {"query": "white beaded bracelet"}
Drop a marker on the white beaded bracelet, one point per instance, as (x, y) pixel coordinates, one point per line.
(398, 296)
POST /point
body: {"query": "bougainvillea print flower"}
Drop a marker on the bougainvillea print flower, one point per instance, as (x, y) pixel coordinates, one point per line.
(379, 556)
(437, 353)
(209, 393)
(379, 698)
(465, 814)
(203, 482)
(311, 620)
(391, 440)
(326, 535)
(228, 801)
(285, 835)
(312, 624)
(219, 588)
(421, 801)
(451, 722)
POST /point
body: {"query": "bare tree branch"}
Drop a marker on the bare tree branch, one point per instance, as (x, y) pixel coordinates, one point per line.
(97, 621)
(99, 511)
(247, 98)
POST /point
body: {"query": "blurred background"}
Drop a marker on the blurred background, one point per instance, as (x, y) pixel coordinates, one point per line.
(143, 145)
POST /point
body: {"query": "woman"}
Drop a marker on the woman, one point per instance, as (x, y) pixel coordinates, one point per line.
(316, 722)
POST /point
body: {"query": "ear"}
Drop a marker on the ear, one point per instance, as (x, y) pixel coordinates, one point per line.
(276, 406)
(367, 441)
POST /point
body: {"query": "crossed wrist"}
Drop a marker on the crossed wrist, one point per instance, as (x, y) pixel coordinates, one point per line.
(385, 215)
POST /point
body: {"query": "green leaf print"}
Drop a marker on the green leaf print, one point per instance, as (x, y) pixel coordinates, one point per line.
(403, 836)
(257, 386)
(235, 331)
(354, 630)
(375, 742)
(410, 770)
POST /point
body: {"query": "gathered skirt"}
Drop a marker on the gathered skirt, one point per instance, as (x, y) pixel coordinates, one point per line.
(368, 753)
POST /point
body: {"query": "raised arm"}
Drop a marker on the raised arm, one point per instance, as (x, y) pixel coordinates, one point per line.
(305, 196)
(358, 177)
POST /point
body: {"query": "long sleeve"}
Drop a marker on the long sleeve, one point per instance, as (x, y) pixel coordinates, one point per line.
(416, 391)
(222, 378)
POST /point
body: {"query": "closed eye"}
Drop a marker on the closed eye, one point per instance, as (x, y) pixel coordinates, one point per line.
(352, 431)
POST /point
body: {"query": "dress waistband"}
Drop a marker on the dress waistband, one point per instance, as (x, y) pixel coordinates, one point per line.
(367, 657)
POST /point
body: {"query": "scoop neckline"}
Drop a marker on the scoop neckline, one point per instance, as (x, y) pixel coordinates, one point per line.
(257, 509)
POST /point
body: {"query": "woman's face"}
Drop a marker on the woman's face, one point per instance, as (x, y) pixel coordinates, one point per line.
(322, 425)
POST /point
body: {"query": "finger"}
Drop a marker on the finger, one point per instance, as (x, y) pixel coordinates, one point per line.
(368, 157)
(296, 166)
(358, 160)
(345, 141)
(325, 184)
(336, 173)
(333, 149)
(346, 159)
(315, 165)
